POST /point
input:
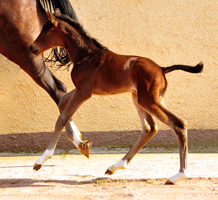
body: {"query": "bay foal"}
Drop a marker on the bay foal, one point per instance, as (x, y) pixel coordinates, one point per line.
(100, 71)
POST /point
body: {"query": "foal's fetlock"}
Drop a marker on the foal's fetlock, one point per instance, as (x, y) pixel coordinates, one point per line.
(84, 148)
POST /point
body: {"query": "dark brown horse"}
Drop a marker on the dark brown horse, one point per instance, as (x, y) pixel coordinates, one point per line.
(100, 71)
(20, 23)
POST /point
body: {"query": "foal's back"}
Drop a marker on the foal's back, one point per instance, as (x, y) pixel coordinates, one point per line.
(112, 73)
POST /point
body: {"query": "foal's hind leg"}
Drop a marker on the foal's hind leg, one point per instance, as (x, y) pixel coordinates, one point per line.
(179, 128)
(149, 129)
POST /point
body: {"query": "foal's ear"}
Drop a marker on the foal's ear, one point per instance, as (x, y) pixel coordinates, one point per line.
(57, 12)
(51, 18)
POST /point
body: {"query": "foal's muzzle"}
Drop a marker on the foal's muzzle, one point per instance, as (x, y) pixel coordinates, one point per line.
(34, 51)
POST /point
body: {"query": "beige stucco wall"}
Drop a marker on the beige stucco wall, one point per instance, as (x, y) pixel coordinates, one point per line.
(169, 32)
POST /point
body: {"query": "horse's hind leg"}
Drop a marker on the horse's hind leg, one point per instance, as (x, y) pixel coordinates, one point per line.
(149, 129)
(40, 73)
(178, 126)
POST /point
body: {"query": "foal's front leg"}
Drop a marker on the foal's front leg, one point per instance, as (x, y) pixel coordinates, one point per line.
(73, 134)
(76, 100)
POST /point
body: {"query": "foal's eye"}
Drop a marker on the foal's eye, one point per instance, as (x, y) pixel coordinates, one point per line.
(48, 26)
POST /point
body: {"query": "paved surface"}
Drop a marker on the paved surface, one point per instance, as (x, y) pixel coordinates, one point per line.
(143, 166)
(71, 174)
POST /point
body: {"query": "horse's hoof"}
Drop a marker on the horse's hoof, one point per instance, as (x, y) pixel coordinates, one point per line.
(168, 182)
(84, 148)
(109, 172)
(178, 177)
(37, 167)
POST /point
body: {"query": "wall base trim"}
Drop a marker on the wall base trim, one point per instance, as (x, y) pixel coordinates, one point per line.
(39, 141)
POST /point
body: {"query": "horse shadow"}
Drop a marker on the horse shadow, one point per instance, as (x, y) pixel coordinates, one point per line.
(28, 182)
(31, 182)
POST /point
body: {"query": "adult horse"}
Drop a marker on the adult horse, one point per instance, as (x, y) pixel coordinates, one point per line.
(100, 71)
(20, 23)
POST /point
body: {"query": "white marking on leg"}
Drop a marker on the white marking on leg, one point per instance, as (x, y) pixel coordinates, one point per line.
(73, 133)
(179, 176)
(122, 164)
(162, 101)
(76, 134)
(46, 155)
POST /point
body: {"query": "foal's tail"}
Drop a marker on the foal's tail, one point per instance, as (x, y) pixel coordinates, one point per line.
(192, 69)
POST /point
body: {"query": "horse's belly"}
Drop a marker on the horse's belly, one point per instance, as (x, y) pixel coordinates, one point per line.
(109, 90)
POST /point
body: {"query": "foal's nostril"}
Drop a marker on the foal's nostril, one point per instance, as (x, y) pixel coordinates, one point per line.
(32, 49)
(35, 51)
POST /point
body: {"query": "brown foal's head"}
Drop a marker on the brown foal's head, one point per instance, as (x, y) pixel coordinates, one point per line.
(49, 36)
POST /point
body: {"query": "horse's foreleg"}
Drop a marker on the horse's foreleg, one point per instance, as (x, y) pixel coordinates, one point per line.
(149, 129)
(57, 90)
(52, 145)
(73, 134)
(73, 104)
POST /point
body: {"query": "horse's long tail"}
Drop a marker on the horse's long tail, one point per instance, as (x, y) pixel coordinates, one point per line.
(63, 5)
(192, 69)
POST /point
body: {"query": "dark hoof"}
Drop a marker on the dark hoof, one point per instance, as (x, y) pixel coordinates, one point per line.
(108, 172)
(84, 148)
(168, 182)
(37, 167)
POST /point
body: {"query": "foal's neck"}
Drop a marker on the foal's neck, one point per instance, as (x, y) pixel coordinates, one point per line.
(77, 45)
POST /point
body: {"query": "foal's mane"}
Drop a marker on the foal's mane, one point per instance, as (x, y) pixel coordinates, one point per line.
(81, 30)
(58, 54)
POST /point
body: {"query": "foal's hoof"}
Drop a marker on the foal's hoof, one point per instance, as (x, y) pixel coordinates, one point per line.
(178, 177)
(37, 167)
(84, 148)
(168, 182)
(109, 172)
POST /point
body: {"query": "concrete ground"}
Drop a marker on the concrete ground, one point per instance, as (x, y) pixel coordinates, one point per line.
(75, 176)
(143, 166)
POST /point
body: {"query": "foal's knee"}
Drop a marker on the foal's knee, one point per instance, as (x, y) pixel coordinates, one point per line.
(149, 131)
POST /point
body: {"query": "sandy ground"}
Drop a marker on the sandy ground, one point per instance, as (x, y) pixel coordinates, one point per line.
(76, 177)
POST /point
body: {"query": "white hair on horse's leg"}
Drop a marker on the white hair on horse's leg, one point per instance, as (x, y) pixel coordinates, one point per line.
(46, 155)
(178, 177)
(122, 164)
(77, 135)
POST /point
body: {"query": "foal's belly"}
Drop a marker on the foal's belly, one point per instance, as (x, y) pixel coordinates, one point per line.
(114, 90)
